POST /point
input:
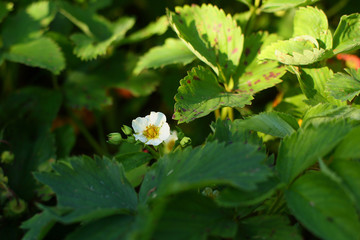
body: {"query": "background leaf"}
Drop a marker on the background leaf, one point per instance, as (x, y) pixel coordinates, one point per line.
(173, 51)
(347, 36)
(328, 217)
(347, 149)
(200, 93)
(344, 86)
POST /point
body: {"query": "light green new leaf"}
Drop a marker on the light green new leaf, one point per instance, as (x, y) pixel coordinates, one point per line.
(43, 12)
(347, 34)
(273, 123)
(89, 186)
(313, 82)
(323, 207)
(302, 50)
(211, 35)
(302, 149)
(252, 75)
(349, 172)
(110, 228)
(42, 52)
(173, 51)
(349, 146)
(38, 226)
(239, 165)
(344, 86)
(281, 5)
(313, 22)
(200, 93)
(272, 227)
(158, 27)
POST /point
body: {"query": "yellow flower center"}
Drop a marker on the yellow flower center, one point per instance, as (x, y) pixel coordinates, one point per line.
(151, 132)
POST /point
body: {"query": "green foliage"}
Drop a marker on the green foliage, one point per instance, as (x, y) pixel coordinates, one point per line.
(329, 217)
(344, 87)
(280, 5)
(346, 36)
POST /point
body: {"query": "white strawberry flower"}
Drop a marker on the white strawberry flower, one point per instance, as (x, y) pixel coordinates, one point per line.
(152, 129)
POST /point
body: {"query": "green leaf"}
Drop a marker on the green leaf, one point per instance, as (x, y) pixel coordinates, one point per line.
(344, 86)
(313, 82)
(281, 5)
(327, 217)
(253, 76)
(89, 186)
(65, 140)
(349, 172)
(4, 10)
(88, 48)
(273, 123)
(302, 149)
(301, 50)
(348, 147)
(42, 52)
(43, 12)
(347, 35)
(211, 35)
(311, 21)
(99, 33)
(27, 116)
(200, 93)
(133, 159)
(38, 226)
(158, 27)
(188, 216)
(232, 197)
(268, 227)
(239, 165)
(173, 51)
(111, 228)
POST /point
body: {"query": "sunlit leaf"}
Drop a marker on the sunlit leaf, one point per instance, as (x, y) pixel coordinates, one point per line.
(280, 5)
(344, 86)
(347, 35)
(200, 93)
(173, 51)
(323, 207)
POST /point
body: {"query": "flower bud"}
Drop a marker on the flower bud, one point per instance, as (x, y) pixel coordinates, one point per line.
(7, 157)
(15, 207)
(185, 141)
(114, 138)
(127, 130)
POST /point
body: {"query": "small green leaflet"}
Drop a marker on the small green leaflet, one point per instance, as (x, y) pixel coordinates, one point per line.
(347, 34)
(239, 165)
(302, 149)
(173, 51)
(38, 226)
(344, 86)
(42, 52)
(273, 123)
(211, 35)
(281, 5)
(313, 22)
(200, 93)
(89, 186)
(323, 207)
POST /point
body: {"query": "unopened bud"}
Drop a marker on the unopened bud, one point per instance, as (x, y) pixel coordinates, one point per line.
(7, 157)
(127, 130)
(114, 138)
(185, 141)
(15, 207)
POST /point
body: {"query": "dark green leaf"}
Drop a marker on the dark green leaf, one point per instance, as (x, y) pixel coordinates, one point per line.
(302, 149)
(268, 227)
(38, 226)
(90, 186)
(323, 207)
(42, 52)
(4, 10)
(65, 140)
(349, 147)
(238, 164)
(173, 51)
(273, 123)
(345, 86)
(133, 160)
(200, 93)
(212, 36)
(347, 35)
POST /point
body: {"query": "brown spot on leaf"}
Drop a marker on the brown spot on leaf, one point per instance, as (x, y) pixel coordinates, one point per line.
(257, 81)
(196, 78)
(247, 52)
(234, 51)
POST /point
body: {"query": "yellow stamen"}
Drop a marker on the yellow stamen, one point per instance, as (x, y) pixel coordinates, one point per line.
(151, 132)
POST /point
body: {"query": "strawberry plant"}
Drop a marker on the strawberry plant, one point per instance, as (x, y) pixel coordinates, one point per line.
(152, 120)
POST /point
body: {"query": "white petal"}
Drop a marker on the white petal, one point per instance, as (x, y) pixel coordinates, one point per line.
(173, 137)
(140, 137)
(154, 142)
(139, 124)
(157, 118)
(164, 131)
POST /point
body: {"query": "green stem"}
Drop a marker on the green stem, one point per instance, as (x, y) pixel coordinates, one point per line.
(152, 151)
(276, 204)
(89, 138)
